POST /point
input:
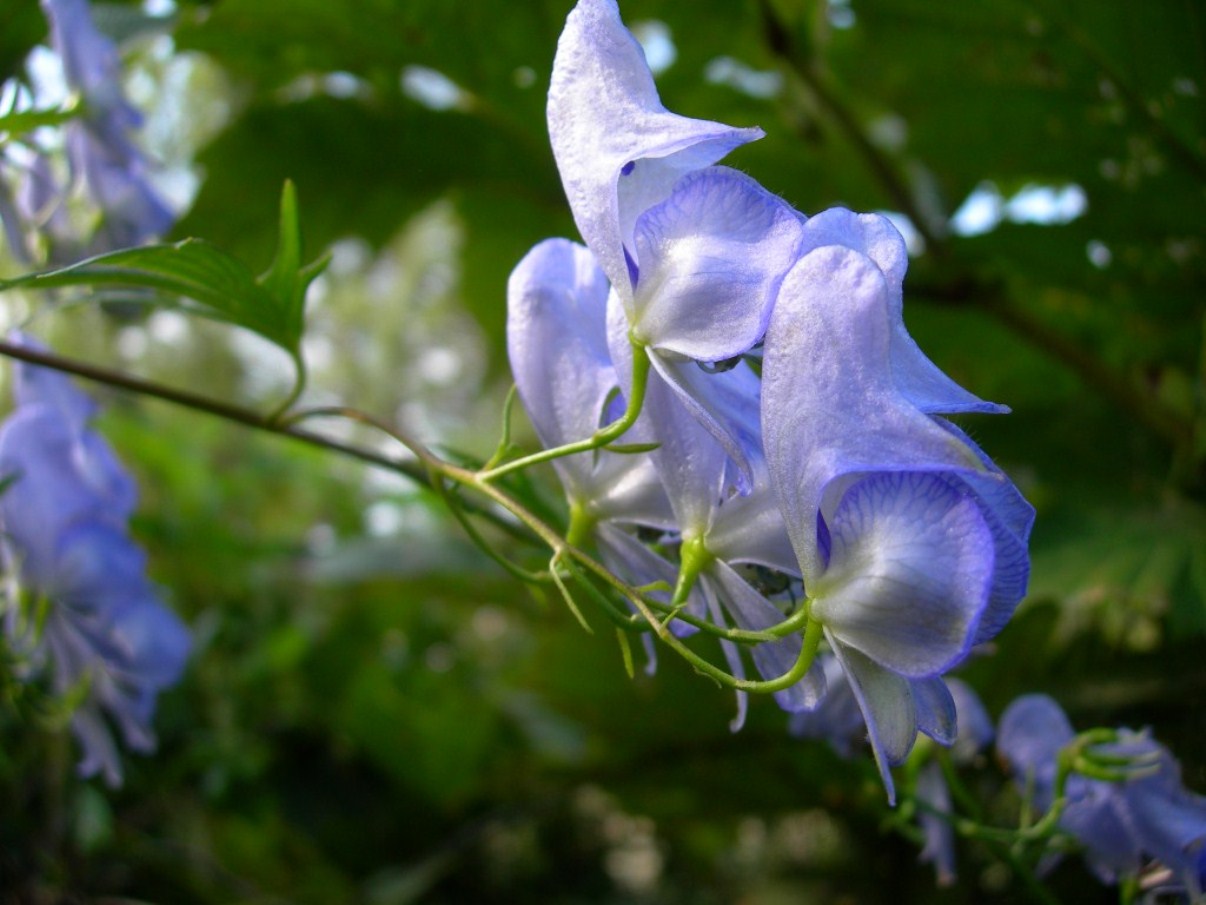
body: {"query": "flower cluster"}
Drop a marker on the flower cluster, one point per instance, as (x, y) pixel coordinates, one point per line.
(783, 433)
(82, 612)
(1139, 820)
(102, 157)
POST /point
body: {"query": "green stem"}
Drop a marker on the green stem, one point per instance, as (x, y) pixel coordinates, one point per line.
(601, 437)
(300, 378)
(284, 426)
(581, 525)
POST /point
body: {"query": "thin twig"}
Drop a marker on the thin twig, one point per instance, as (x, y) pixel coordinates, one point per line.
(282, 426)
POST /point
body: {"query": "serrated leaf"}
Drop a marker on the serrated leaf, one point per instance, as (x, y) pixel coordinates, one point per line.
(199, 278)
(213, 283)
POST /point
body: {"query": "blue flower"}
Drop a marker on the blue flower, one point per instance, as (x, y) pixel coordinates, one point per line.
(99, 144)
(911, 543)
(100, 624)
(557, 345)
(1121, 825)
(618, 150)
(694, 253)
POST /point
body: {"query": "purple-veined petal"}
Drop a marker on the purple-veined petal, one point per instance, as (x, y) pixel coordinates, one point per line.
(751, 611)
(909, 572)
(1010, 518)
(830, 406)
(916, 377)
(711, 257)
(886, 700)
(619, 151)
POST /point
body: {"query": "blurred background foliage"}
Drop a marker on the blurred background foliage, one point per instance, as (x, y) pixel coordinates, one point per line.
(375, 713)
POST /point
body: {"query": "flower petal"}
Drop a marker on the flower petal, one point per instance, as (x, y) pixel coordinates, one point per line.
(605, 120)
(936, 713)
(830, 406)
(909, 572)
(916, 377)
(1010, 518)
(711, 258)
(726, 404)
(1029, 735)
(975, 728)
(886, 700)
(935, 823)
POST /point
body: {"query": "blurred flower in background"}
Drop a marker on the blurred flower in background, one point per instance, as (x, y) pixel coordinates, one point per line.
(83, 614)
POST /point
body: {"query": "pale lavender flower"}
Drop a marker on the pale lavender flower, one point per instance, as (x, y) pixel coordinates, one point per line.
(734, 529)
(557, 344)
(103, 627)
(693, 252)
(618, 150)
(1121, 825)
(99, 144)
(910, 542)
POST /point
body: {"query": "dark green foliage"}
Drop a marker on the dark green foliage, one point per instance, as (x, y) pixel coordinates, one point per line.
(389, 718)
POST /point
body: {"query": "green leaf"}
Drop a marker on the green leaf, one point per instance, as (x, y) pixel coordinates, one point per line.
(199, 278)
(287, 280)
(22, 121)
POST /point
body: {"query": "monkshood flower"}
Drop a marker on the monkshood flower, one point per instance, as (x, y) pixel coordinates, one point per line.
(911, 544)
(557, 345)
(92, 620)
(694, 253)
(720, 529)
(99, 144)
(1122, 825)
(618, 150)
